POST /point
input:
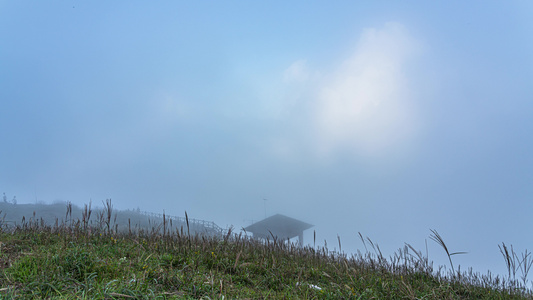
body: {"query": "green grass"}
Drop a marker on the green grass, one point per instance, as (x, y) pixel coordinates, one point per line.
(73, 261)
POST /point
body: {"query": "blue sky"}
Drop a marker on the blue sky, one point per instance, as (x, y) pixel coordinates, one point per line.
(387, 118)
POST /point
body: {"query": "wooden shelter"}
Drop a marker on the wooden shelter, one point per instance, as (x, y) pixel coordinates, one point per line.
(280, 227)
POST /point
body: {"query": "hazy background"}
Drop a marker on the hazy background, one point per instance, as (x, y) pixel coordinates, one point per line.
(387, 118)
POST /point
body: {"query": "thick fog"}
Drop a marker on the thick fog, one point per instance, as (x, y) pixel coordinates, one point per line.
(388, 119)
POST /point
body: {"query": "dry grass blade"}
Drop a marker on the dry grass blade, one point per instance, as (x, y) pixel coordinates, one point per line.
(438, 239)
(237, 260)
(423, 261)
(228, 235)
(363, 239)
(513, 262)
(69, 211)
(274, 238)
(122, 296)
(525, 263)
(187, 220)
(509, 261)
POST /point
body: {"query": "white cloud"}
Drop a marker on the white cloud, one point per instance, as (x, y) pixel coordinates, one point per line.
(365, 104)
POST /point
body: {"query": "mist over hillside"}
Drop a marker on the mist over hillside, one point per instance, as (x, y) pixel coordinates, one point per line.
(12, 214)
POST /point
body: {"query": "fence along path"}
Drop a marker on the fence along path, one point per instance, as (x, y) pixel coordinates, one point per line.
(208, 226)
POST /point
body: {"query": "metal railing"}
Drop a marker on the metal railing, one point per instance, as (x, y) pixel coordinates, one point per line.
(206, 225)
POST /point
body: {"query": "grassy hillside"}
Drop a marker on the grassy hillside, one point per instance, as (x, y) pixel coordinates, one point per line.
(71, 260)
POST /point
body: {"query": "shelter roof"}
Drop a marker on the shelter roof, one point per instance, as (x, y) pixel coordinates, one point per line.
(279, 225)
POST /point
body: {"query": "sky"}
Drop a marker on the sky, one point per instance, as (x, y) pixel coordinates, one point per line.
(386, 118)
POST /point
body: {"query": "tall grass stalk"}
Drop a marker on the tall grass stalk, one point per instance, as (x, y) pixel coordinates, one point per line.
(435, 236)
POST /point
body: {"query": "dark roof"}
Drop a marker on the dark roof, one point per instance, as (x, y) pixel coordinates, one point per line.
(280, 226)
